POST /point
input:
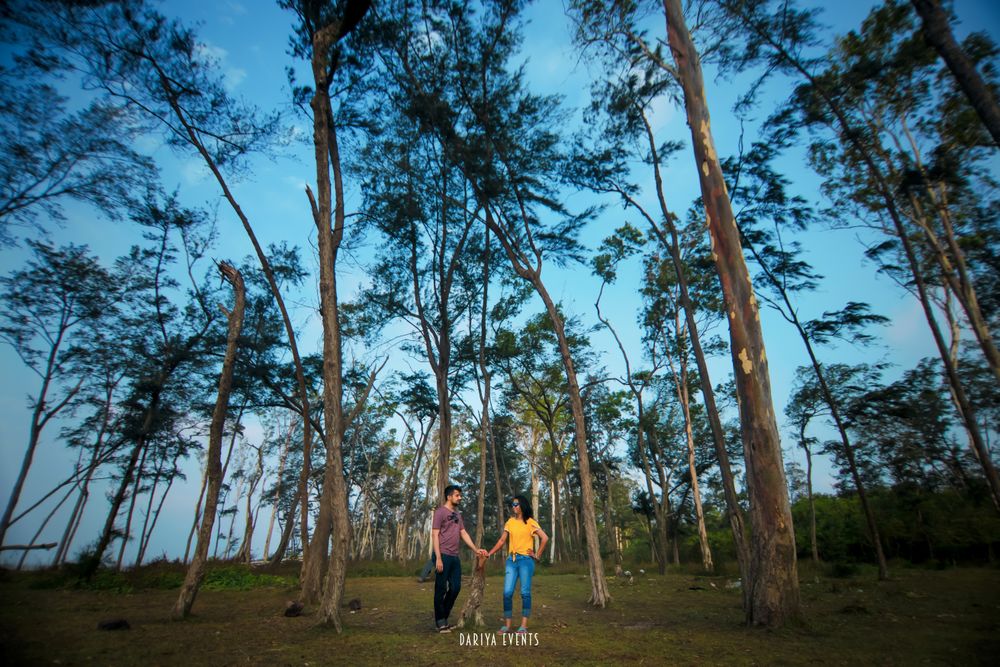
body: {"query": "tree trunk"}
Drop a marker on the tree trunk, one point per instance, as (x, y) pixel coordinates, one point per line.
(554, 511)
(39, 418)
(45, 522)
(791, 315)
(286, 534)
(680, 383)
(196, 571)
(661, 545)
(600, 595)
(131, 508)
(77, 514)
(481, 502)
(966, 411)
(277, 488)
(116, 501)
(535, 480)
(774, 597)
(37, 422)
(197, 514)
(328, 214)
(734, 512)
(159, 508)
(938, 34)
(147, 517)
(610, 528)
(812, 507)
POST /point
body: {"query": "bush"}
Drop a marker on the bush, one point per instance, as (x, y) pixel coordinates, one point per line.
(240, 578)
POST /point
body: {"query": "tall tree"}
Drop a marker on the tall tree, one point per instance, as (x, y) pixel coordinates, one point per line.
(774, 597)
(43, 307)
(166, 347)
(621, 136)
(765, 218)
(320, 39)
(773, 592)
(154, 68)
(196, 571)
(416, 199)
(937, 32)
(504, 142)
(871, 96)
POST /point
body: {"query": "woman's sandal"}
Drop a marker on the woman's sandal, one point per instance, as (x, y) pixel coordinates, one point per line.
(522, 630)
(503, 630)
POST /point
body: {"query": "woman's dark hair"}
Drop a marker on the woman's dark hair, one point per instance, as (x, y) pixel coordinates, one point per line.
(526, 512)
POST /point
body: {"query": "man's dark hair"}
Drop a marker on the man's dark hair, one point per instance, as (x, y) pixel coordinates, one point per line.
(450, 489)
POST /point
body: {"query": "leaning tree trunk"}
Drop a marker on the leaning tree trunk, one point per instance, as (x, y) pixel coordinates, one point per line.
(609, 524)
(680, 381)
(196, 571)
(733, 510)
(938, 34)
(127, 532)
(107, 533)
(38, 419)
(600, 595)
(774, 597)
(831, 402)
(883, 189)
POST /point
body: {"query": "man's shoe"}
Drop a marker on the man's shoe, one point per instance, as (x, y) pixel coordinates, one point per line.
(444, 629)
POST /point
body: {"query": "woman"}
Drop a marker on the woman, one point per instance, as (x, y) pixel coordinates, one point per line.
(520, 564)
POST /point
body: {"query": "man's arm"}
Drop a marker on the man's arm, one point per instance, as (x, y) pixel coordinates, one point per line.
(436, 541)
(470, 543)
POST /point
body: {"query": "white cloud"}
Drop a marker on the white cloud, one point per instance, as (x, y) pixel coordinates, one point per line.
(194, 172)
(661, 112)
(211, 52)
(296, 183)
(234, 77)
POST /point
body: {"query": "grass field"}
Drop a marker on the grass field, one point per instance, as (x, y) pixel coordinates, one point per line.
(919, 617)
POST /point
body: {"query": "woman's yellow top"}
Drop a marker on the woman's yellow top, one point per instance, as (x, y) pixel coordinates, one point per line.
(521, 535)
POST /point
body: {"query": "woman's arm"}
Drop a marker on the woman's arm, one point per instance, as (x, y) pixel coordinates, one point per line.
(500, 543)
(541, 547)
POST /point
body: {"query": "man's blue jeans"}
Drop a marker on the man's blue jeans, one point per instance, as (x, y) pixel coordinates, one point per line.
(523, 568)
(447, 584)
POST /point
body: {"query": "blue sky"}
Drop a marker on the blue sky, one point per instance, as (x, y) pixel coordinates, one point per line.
(249, 41)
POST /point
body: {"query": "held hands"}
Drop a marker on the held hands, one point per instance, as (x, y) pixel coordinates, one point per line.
(439, 566)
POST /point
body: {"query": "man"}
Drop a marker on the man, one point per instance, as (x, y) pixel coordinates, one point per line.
(446, 530)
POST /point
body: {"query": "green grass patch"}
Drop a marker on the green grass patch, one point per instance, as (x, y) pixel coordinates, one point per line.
(920, 616)
(241, 578)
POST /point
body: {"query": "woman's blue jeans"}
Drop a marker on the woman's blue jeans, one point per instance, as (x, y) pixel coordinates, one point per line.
(523, 568)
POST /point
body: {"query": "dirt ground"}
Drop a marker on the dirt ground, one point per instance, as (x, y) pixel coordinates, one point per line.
(949, 617)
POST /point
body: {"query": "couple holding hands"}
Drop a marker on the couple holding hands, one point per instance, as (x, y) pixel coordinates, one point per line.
(446, 531)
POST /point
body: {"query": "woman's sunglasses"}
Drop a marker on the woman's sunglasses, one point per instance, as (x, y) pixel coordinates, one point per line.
(515, 504)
